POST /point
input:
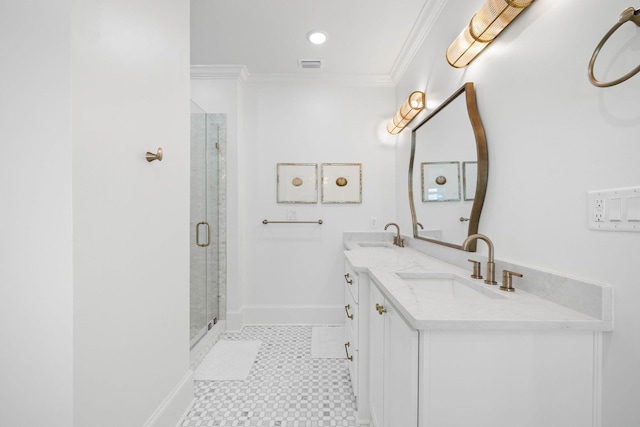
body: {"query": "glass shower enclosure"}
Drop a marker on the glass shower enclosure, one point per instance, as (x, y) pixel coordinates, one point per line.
(207, 221)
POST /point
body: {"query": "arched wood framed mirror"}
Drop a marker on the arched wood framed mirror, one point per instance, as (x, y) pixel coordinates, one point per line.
(448, 171)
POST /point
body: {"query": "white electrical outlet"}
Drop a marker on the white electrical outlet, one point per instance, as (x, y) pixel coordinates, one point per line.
(291, 214)
(598, 209)
(598, 216)
(373, 223)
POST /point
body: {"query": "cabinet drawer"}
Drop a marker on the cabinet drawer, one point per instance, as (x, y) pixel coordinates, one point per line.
(352, 316)
(351, 280)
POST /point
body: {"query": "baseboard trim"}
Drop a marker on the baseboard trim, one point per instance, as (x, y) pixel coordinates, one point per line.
(175, 406)
(285, 315)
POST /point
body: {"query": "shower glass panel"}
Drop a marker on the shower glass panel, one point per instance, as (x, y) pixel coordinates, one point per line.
(205, 224)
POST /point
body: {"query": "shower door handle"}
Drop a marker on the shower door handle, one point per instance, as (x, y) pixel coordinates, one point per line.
(208, 242)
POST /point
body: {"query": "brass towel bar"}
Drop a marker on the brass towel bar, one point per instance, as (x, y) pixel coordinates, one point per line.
(266, 221)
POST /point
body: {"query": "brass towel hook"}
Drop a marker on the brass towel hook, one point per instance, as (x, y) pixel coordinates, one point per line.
(629, 14)
(154, 156)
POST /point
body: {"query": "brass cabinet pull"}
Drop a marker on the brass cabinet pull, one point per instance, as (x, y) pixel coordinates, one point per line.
(346, 349)
(346, 308)
(380, 309)
(346, 277)
(198, 234)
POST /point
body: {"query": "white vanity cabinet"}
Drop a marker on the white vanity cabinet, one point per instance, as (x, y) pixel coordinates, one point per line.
(427, 354)
(356, 291)
(393, 365)
(506, 378)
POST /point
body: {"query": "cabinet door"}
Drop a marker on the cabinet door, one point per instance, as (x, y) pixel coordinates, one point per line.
(376, 354)
(401, 371)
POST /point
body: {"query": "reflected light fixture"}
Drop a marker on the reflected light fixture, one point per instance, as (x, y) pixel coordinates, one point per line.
(411, 107)
(485, 26)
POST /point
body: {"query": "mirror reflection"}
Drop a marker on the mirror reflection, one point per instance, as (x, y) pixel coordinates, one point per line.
(448, 171)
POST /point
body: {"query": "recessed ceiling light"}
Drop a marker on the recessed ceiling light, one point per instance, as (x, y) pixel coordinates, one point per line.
(317, 37)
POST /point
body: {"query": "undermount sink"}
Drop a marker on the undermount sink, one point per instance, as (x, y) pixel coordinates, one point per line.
(448, 286)
(375, 245)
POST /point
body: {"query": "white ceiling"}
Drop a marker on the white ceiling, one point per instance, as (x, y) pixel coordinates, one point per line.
(366, 38)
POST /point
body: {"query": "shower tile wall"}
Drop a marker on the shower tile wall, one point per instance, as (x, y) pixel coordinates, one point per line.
(286, 387)
(221, 119)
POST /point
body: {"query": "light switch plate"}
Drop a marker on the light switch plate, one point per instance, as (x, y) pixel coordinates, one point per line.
(616, 209)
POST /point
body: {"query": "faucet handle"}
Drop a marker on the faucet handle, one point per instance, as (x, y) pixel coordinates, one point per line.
(506, 280)
(476, 269)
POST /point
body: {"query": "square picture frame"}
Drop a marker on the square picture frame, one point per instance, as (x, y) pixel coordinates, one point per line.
(341, 182)
(297, 183)
(440, 181)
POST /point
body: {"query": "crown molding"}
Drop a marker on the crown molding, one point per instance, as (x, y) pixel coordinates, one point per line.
(219, 72)
(293, 80)
(428, 16)
(241, 74)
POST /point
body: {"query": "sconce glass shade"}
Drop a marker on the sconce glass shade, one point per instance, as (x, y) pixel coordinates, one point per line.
(485, 26)
(411, 107)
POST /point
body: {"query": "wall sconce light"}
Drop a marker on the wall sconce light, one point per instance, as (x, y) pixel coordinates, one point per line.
(411, 107)
(485, 26)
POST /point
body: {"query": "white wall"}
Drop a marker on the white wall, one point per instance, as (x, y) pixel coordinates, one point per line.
(131, 218)
(36, 277)
(552, 136)
(281, 273)
(94, 250)
(293, 273)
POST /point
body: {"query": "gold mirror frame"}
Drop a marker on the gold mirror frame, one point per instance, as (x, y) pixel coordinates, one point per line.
(483, 165)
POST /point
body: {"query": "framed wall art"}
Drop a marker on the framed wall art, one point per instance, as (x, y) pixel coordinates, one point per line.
(342, 183)
(440, 181)
(297, 183)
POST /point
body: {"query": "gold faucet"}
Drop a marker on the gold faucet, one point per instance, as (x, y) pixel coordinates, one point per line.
(491, 266)
(397, 240)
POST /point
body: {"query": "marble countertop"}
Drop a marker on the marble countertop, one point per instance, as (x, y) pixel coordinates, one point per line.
(424, 306)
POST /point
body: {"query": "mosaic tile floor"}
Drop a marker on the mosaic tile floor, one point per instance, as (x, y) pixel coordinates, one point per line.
(286, 387)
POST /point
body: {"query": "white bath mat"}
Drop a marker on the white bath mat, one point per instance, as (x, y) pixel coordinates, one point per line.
(327, 342)
(228, 360)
